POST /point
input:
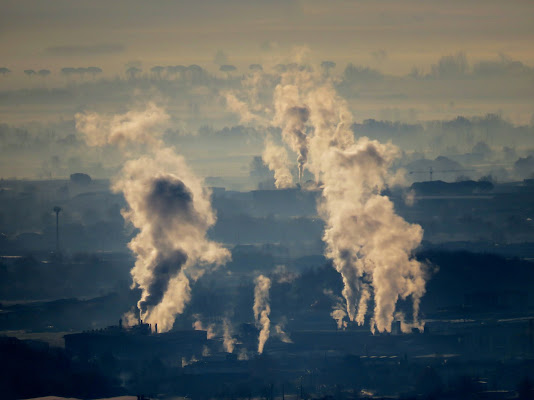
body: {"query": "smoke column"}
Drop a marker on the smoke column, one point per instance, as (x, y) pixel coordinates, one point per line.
(339, 312)
(199, 326)
(292, 116)
(276, 159)
(169, 206)
(370, 245)
(262, 309)
(228, 340)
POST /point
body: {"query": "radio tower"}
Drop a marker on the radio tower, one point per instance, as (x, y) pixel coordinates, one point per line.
(57, 210)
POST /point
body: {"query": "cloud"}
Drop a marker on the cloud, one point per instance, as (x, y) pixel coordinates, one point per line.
(82, 50)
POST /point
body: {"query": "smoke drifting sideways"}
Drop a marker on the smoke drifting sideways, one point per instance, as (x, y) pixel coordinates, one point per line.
(262, 310)
(134, 127)
(169, 206)
(370, 245)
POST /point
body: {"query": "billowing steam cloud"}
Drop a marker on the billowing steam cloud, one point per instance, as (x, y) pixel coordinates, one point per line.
(339, 312)
(279, 330)
(214, 330)
(169, 206)
(144, 127)
(371, 247)
(262, 309)
(199, 326)
(292, 117)
(239, 107)
(229, 341)
(276, 159)
(369, 244)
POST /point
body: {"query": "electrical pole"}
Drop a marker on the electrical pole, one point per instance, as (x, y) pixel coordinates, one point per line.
(57, 210)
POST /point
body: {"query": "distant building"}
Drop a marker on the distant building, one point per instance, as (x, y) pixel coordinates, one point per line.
(136, 343)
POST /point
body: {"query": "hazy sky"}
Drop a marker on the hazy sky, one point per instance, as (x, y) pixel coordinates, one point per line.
(394, 35)
(413, 62)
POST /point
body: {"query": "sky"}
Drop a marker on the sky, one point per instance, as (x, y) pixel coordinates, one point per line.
(410, 62)
(393, 35)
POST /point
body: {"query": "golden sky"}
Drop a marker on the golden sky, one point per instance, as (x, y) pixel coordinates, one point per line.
(391, 35)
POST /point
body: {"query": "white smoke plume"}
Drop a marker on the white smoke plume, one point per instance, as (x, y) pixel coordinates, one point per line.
(144, 127)
(199, 326)
(339, 312)
(276, 159)
(282, 275)
(279, 331)
(407, 327)
(229, 341)
(292, 115)
(247, 102)
(169, 206)
(409, 198)
(243, 355)
(370, 245)
(186, 362)
(129, 318)
(262, 309)
(365, 239)
(239, 107)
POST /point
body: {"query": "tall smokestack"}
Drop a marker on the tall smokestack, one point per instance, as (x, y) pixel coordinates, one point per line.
(57, 210)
